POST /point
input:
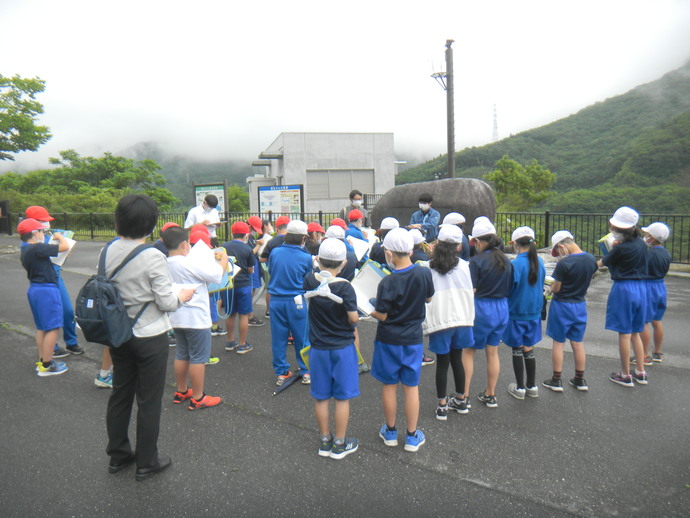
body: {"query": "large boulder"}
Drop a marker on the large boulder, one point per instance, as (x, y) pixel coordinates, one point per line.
(468, 196)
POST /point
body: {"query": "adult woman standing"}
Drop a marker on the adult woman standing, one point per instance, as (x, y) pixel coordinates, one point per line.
(139, 365)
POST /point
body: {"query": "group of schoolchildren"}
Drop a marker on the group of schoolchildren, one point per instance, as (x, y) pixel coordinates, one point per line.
(461, 305)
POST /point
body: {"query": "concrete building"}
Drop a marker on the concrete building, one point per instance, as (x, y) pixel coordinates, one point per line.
(328, 165)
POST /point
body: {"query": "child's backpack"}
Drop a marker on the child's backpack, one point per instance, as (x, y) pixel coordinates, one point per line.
(99, 310)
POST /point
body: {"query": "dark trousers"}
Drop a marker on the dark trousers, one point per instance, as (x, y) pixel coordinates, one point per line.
(139, 369)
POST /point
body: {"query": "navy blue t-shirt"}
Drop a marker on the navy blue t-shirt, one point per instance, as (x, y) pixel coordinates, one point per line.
(377, 254)
(273, 243)
(659, 261)
(464, 253)
(244, 259)
(36, 261)
(159, 245)
(402, 296)
(419, 255)
(348, 271)
(488, 280)
(328, 324)
(574, 273)
(627, 260)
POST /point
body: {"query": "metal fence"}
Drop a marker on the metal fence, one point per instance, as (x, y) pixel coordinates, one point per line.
(587, 228)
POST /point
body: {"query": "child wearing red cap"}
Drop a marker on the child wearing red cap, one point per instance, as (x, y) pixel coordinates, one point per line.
(353, 229)
(315, 233)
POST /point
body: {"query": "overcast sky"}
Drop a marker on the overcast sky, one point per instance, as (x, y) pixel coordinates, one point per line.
(221, 79)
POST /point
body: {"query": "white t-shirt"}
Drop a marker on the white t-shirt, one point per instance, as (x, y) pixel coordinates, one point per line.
(199, 215)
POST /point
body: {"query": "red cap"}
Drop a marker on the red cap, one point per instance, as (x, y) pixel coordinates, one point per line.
(200, 228)
(339, 223)
(168, 225)
(355, 214)
(282, 220)
(315, 227)
(256, 223)
(38, 213)
(197, 235)
(240, 227)
(28, 225)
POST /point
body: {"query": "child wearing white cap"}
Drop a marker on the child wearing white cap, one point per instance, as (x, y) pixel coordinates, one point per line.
(332, 357)
(449, 318)
(659, 263)
(626, 308)
(492, 278)
(524, 306)
(377, 254)
(398, 347)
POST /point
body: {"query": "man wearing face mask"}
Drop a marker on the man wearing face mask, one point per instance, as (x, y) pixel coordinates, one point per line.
(426, 219)
(206, 214)
(356, 200)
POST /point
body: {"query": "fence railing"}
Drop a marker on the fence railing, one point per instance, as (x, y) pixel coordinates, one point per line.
(587, 228)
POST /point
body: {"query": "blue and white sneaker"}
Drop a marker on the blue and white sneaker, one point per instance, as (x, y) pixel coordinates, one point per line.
(390, 437)
(413, 442)
(54, 369)
(102, 382)
(326, 447)
(244, 349)
(342, 450)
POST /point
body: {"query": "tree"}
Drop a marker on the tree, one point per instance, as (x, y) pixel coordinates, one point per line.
(18, 111)
(518, 187)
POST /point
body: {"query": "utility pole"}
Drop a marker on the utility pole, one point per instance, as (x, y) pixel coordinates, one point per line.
(445, 79)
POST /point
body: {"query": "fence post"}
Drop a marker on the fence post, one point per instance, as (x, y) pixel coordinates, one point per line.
(321, 218)
(91, 224)
(547, 229)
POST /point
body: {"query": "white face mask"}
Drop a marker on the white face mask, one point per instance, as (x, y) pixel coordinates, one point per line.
(389, 260)
(46, 225)
(563, 252)
(356, 203)
(617, 236)
(424, 206)
(649, 240)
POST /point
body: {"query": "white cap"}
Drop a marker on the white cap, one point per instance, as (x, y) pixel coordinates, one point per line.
(482, 227)
(658, 231)
(560, 236)
(450, 234)
(332, 249)
(624, 217)
(297, 227)
(522, 232)
(389, 223)
(417, 236)
(453, 218)
(336, 232)
(398, 240)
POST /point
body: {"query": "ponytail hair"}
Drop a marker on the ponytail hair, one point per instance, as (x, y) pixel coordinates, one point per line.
(528, 242)
(493, 246)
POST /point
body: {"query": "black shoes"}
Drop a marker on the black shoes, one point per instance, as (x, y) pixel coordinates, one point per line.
(116, 466)
(144, 473)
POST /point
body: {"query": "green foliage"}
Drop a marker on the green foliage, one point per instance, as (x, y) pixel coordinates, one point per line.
(663, 199)
(238, 199)
(519, 188)
(18, 111)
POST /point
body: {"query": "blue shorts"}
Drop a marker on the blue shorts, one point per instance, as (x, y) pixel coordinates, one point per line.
(626, 308)
(193, 345)
(393, 364)
(567, 321)
(46, 306)
(334, 373)
(441, 342)
(240, 300)
(490, 321)
(522, 332)
(656, 300)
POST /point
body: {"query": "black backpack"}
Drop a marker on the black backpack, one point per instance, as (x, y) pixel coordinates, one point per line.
(99, 310)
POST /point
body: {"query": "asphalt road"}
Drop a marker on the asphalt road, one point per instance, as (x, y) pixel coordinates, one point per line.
(609, 452)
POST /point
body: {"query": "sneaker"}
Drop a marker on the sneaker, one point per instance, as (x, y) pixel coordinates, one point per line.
(427, 360)
(390, 437)
(640, 377)
(230, 346)
(459, 405)
(657, 357)
(256, 322)
(532, 391)
(172, 341)
(205, 402)
(74, 349)
(579, 384)
(413, 442)
(179, 397)
(283, 378)
(102, 382)
(647, 360)
(555, 384)
(343, 450)
(489, 401)
(59, 352)
(442, 411)
(363, 367)
(517, 393)
(326, 447)
(244, 349)
(218, 331)
(54, 369)
(622, 379)
(267, 314)
(213, 360)
(306, 379)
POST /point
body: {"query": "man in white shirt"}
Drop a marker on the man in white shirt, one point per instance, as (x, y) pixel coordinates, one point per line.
(205, 214)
